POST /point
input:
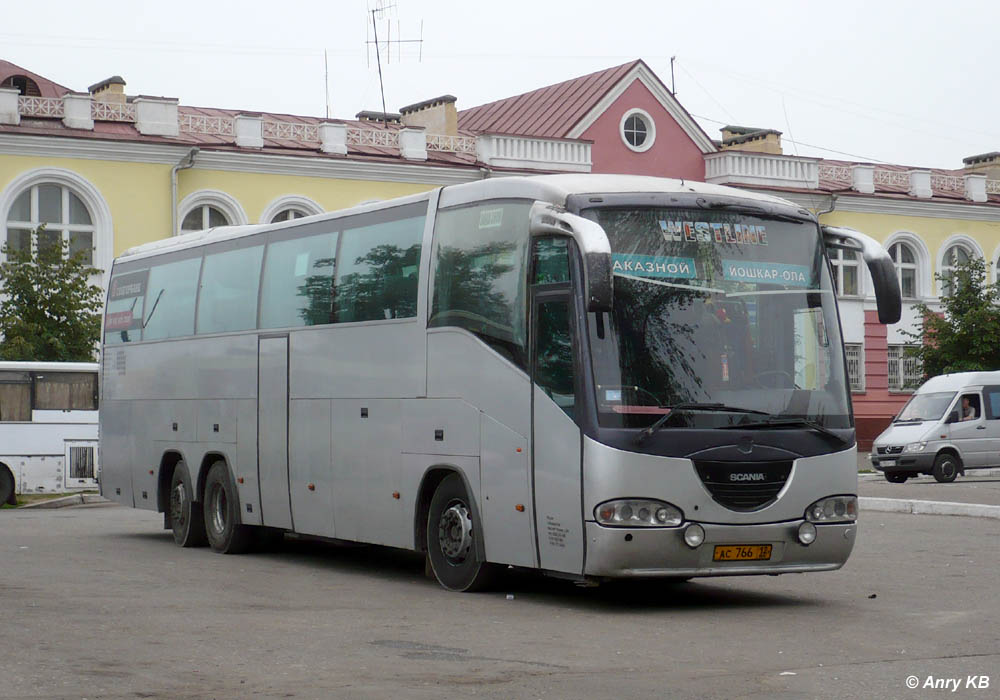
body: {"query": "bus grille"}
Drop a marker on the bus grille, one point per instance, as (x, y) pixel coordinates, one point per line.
(891, 450)
(743, 486)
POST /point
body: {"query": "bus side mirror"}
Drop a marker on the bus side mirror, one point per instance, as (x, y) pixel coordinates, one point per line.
(598, 282)
(883, 272)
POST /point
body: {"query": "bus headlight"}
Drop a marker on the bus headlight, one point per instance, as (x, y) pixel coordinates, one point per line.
(638, 513)
(915, 447)
(836, 509)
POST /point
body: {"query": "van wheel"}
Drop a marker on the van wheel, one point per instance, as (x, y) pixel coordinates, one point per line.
(185, 513)
(945, 468)
(222, 513)
(896, 477)
(452, 532)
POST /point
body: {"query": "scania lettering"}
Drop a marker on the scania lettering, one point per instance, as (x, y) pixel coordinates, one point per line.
(593, 376)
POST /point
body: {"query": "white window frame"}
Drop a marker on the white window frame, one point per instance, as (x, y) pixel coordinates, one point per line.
(922, 255)
(225, 203)
(294, 202)
(650, 129)
(897, 369)
(857, 383)
(97, 207)
(838, 262)
(901, 266)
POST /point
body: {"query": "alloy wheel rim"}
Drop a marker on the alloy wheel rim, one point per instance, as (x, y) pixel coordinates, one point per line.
(455, 533)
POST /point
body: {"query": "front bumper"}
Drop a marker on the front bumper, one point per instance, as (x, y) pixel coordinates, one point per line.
(916, 462)
(650, 552)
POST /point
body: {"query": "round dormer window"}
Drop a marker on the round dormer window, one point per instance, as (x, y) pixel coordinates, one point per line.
(638, 130)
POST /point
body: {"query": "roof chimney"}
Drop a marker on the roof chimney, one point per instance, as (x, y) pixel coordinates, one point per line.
(437, 115)
(109, 90)
(987, 164)
(748, 138)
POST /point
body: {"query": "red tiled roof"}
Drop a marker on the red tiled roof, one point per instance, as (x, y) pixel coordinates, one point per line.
(547, 112)
(46, 87)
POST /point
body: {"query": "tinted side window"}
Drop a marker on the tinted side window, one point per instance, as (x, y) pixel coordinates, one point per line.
(992, 402)
(298, 282)
(551, 263)
(123, 317)
(15, 396)
(554, 354)
(170, 295)
(377, 271)
(228, 299)
(480, 282)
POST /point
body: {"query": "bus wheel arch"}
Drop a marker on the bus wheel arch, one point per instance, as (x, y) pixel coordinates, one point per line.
(168, 462)
(425, 493)
(7, 487)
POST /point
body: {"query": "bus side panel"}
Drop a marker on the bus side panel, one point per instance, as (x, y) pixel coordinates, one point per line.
(310, 472)
(367, 441)
(116, 450)
(508, 516)
(460, 365)
(245, 467)
(377, 361)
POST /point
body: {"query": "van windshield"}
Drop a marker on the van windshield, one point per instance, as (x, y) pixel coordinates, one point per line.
(923, 407)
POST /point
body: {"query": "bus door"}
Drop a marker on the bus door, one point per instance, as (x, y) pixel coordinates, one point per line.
(272, 430)
(557, 475)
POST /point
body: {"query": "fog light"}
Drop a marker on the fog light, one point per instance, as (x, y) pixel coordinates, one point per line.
(694, 535)
(807, 533)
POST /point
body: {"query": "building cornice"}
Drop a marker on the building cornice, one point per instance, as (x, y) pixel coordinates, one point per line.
(892, 207)
(266, 164)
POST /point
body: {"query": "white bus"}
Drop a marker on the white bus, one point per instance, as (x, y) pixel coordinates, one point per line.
(48, 428)
(594, 376)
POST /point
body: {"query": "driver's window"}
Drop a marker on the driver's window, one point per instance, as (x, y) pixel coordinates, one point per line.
(969, 407)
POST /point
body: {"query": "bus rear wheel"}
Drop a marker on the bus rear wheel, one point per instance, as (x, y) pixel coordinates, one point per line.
(185, 513)
(6, 486)
(452, 532)
(226, 534)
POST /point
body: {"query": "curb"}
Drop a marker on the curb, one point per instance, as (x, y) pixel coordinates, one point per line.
(900, 505)
(77, 499)
(878, 476)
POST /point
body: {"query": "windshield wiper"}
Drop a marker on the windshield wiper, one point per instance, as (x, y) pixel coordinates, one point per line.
(778, 422)
(909, 420)
(755, 210)
(692, 406)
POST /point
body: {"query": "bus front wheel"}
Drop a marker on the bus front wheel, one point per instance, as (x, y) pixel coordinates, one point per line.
(452, 532)
(185, 513)
(222, 517)
(945, 468)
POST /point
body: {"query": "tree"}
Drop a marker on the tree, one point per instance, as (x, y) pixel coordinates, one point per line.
(965, 336)
(49, 310)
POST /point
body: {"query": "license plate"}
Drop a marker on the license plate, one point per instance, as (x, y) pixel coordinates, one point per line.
(742, 552)
(887, 462)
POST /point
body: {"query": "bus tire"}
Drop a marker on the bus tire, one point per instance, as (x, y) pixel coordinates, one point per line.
(946, 468)
(452, 529)
(226, 534)
(186, 519)
(7, 486)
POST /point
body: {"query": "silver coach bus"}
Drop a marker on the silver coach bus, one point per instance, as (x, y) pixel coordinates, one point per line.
(596, 376)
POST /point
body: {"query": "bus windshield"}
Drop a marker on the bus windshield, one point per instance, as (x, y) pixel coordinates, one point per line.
(719, 317)
(923, 407)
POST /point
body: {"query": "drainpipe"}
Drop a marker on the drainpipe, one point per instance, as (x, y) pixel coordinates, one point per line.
(833, 205)
(185, 163)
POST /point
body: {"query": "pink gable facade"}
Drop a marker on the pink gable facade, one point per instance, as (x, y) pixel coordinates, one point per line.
(673, 153)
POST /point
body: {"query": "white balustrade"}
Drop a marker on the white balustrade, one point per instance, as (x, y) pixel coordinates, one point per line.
(202, 124)
(111, 111)
(534, 153)
(292, 131)
(40, 106)
(761, 169)
(379, 138)
(453, 144)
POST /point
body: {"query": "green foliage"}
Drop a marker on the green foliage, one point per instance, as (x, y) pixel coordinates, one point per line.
(49, 310)
(965, 336)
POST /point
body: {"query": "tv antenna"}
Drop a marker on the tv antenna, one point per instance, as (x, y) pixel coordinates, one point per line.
(384, 10)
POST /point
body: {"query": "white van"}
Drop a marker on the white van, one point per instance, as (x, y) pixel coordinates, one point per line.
(950, 424)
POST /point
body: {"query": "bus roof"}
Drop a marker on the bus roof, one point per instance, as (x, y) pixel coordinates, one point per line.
(6, 366)
(958, 381)
(545, 188)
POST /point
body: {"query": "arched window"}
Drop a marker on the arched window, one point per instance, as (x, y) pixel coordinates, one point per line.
(905, 261)
(209, 208)
(202, 217)
(289, 207)
(288, 215)
(956, 255)
(846, 272)
(64, 214)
